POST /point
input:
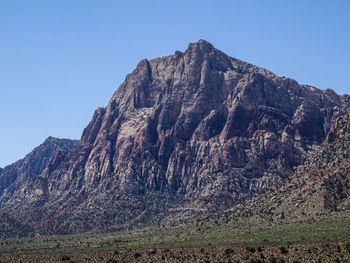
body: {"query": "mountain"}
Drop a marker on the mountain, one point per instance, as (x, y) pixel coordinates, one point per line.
(13, 176)
(191, 133)
(319, 188)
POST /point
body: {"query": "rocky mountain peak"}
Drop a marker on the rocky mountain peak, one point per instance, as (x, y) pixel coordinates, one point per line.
(202, 45)
(194, 131)
(51, 139)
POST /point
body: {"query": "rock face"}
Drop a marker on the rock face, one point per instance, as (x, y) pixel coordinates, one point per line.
(13, 176)
(192, 132)
(319, 188)
(339, 129)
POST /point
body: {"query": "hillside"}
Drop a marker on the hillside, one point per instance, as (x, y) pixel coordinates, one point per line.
(13, 176)
(318, 189)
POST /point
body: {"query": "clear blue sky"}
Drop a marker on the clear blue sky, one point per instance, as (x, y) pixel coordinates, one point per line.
(59, 60)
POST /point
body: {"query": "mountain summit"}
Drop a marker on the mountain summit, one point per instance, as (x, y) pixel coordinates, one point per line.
(194, 132)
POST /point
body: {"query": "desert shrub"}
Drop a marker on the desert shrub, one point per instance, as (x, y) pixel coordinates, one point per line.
(347, 247)
(229, 251)
(65, 258)
(251, 249)
(153, 252)
(137, 255)
(338, 249)
(284, 250)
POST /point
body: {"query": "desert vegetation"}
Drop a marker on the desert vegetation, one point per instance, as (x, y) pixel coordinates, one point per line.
(211, 240)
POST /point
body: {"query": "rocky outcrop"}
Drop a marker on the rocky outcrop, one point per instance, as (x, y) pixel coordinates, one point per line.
(194, 131)
(319, 188)
(340, 129)
(13, 176)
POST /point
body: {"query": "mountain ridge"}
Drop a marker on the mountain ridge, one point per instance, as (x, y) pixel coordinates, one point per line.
(13, 176)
